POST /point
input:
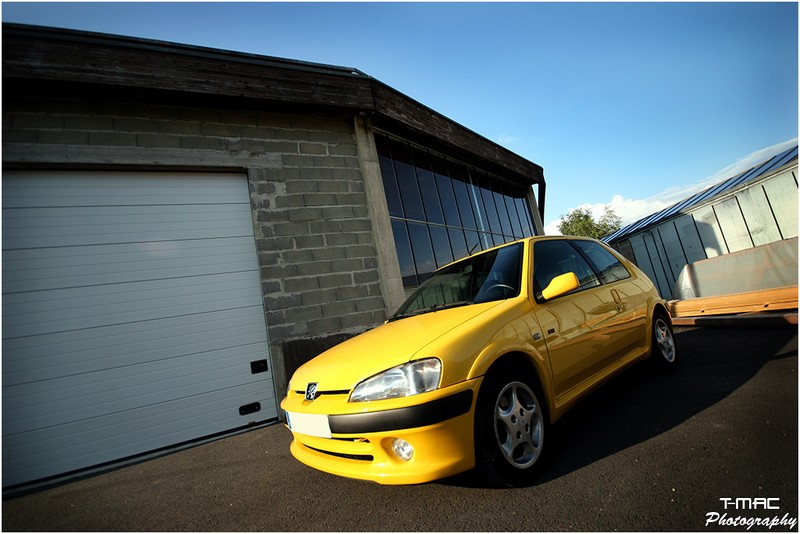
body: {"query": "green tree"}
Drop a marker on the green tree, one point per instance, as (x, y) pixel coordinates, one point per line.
(580, 222)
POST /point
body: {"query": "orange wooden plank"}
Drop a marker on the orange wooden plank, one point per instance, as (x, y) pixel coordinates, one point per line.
(781, 298)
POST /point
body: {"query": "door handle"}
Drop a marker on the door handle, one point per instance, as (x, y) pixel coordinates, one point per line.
(616, 297)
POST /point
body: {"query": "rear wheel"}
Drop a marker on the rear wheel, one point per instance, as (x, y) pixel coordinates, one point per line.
(510, 429)
(663, 341)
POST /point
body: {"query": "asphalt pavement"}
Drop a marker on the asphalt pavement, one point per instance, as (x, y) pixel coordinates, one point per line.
(650, 451)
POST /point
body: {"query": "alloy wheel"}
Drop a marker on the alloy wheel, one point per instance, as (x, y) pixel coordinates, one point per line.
(663, 337)
(519, 425)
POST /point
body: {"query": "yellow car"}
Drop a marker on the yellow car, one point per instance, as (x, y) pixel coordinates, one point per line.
(477, 364)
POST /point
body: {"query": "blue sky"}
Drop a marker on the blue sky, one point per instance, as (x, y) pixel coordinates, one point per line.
(632, 105)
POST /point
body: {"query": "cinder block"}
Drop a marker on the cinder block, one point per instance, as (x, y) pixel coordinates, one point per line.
(361, 321)
(305, 214)
(309, 241)
(136, 125)
(322, 296)
(319, 199)
(324, 326)
(291, 228)
(365, 277)
(361, 251)
(314, 268)
(339, 308)
(336, 240)
(303, 313)
(299, 285)
(370, 304)
(158, 141)
(313, 148)
(63, 137)
(352, 292)
(335, 280)
(329, 253)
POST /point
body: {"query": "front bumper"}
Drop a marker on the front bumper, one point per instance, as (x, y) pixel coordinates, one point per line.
(439, 427)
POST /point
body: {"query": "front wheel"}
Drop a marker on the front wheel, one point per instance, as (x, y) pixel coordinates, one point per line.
(510, 429)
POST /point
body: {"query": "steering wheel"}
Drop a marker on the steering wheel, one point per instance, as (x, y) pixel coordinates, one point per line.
(501, 286)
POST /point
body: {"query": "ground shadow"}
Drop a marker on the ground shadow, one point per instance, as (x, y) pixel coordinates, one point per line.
(644, 401)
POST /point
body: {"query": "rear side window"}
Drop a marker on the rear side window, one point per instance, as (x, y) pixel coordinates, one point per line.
(553, 258)
(608, 267)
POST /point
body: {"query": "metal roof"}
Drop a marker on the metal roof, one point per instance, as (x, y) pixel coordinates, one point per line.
(706, 195)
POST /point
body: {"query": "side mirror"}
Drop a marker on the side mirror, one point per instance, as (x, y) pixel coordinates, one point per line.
(561, 284)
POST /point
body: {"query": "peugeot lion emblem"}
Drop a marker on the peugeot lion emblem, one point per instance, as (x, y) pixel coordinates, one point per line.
(311, 391)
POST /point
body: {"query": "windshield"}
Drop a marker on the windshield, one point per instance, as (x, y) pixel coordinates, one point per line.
(493, 275)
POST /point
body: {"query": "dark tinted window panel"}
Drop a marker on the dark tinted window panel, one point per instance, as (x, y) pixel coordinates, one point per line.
(502, 213)
(609, 268)
(427, 187)
(389, 180)
(441, 245)
(403, 246)
(458, 243)
(407, 183)
(490, 210)
(465, 203)
(446, 195)
(516, 228)
(474, 243)
(486, 240)
(524, 216)
(423, 252)
(481, 219)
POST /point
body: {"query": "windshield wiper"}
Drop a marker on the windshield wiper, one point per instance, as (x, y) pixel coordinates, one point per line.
(431, 308)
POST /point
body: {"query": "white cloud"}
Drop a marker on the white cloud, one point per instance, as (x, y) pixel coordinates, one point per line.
(750, 161)
(632, 210)
(629, 210)
(506, 139)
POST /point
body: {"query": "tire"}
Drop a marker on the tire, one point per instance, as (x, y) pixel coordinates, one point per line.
(663, 344)
(511, 426)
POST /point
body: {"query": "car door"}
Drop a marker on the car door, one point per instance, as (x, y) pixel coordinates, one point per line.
(628, 293)
(584, 329)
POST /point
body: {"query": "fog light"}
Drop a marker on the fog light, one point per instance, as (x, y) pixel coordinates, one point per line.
(402, 449)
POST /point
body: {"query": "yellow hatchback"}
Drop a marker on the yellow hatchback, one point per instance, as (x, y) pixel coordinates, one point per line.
(477, 364)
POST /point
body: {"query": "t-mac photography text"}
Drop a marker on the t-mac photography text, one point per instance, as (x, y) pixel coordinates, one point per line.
(762, 513)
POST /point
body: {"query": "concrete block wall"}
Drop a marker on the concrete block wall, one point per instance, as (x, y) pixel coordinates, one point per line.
(319, 269)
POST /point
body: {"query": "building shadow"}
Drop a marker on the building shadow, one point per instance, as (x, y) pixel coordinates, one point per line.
(646, 401)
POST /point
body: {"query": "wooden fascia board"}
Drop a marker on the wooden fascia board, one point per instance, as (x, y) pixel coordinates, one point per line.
(37, 57)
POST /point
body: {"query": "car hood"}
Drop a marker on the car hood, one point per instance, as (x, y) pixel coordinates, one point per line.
(342, 367)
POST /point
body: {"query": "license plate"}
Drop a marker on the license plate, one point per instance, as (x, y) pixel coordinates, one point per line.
(310, 424)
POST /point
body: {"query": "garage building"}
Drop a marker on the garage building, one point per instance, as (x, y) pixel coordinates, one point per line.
(184, 226)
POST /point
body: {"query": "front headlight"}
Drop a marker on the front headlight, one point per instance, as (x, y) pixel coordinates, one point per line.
(401, 381)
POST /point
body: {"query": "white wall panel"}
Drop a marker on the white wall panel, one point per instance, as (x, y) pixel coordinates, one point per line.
(758, 215)
(705, 219)
(733, 226)
(782, 194)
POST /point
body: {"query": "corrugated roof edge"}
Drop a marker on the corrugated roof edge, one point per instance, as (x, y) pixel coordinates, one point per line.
(767, 166)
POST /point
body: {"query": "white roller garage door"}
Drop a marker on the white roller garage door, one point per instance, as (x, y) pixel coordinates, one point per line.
(132, 317)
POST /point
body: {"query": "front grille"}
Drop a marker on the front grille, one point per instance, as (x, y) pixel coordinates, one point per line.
(358, 457)
(331, 392)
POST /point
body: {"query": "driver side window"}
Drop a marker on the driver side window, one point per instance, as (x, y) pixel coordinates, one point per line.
(553, 258)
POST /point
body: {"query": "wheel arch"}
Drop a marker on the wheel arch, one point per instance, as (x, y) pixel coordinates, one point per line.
(659, 310)
(530, 364)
